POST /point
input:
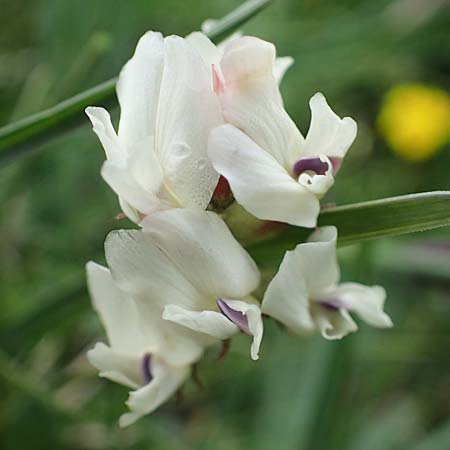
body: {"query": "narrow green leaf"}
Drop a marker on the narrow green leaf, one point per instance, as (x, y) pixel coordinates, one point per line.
(28, 134)
(367, 220)
(20, 137)
(232, 21)
(389, 216)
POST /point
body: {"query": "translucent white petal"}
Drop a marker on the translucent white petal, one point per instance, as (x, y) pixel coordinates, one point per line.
(119, 367)
(126, 187)
(248, 57)
(102, 126)
(166, 380)
(145, 273)
(318, 260)
(281, 66)
(287, 298)
(117, 313)
(254, 320)
(223, 44)
(212, 54)
(304, 274)
(188, 109)
(201, 246)
(251, 100)
(138, 90)
(144, 167)
(366, 301)
(204, 47)
(333, 324)
(328, 133)
(141, 269)
(212, 323)
(129, 211)
(259, 183)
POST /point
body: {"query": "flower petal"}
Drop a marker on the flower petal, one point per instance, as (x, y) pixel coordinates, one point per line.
(145, 273)
(281, 66)
(129, 210)
(201, 246)
(304, 274)
(333, 324)
(318, 260)
(144, 167)
(255, 325)
(328, 133)
(102, 126)
(212, 323)
(366, 301)
(287, 298)
(259, 183)
(165, 382)
(317, 183)
(138, 90)
(119, 367)
(128, 189)
(251, 100)
(118, 314)
(188, 110)
(210, 53)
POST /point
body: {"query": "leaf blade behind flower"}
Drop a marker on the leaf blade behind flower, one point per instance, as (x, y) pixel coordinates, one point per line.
(363, 221)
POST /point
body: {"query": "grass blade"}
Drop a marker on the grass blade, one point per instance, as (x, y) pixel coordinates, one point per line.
(362, 221)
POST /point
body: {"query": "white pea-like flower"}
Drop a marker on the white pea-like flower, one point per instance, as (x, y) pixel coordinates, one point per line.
(305, 295)
(274, 172)
(134, 356)
(158, 158)
(170, 291)
(214, 274)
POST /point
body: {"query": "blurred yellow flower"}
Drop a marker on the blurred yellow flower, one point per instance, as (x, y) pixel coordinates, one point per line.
(415, 120)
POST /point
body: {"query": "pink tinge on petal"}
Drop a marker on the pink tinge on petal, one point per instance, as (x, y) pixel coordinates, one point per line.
(218, 83)
(336, 162)
(237, 317)
(316, 165)
(332, 304)
(146, 368)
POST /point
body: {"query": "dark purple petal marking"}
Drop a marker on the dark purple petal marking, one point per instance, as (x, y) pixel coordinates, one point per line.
(237, 317)
(332, 304)
(146, 368)
(314, 164)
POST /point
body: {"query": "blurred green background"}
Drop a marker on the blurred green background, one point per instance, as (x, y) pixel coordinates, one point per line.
(375, 390)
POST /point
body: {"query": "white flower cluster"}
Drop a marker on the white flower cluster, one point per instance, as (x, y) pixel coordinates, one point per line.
(191, 112)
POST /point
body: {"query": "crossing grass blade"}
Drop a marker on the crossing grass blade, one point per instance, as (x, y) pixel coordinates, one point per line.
(362, 221)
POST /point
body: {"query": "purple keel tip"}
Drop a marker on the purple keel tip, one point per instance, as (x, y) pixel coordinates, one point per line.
(314, 164)
(238, 318)
(331, 304)
(146, 369)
